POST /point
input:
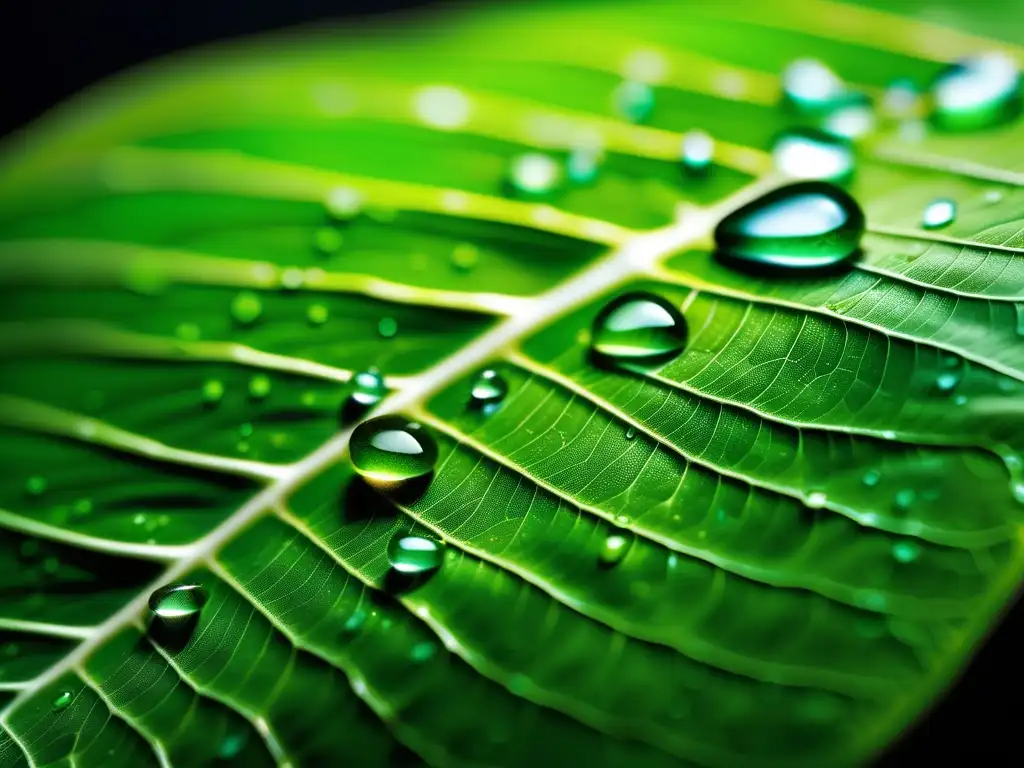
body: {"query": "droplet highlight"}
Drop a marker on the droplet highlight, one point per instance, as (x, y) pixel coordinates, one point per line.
(639, 328)
(415, 555)
(63, 700)
(488, 389)
(807, 153)
(614, 549)
(807, 225)
(698, 150)
(391, 449)
(938, 214)
(534, 175)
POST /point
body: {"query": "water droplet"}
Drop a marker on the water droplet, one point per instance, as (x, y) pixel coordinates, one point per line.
(177, 601)
(488, 389)
(51, 565)
(621, 520)
(905, 498)
(816, 499)
(246, 307)
(139, 518)
(259, 386)
(63, 700)
(871, 478)
(640, 328)
(292, 278)
(697, 151)
(905, 551)
(317, 314)
(387, 327)
(232, 744)
(807, 153)
(355, 621)
(415, 555)
(465, 256)
(900, 98)
(614, 549)
(1018, 492)
(442, 106)
(534, 174)
(36, 485)
(993, 196)
(423, 651)
(188, 332)
(582, 164)
(853, 118)
(328, 240)
(82, 507)
(810, 224)
(810, 86)
(976, 92)
(938, 213)
(630, 433)
(213, 391)
(344, 203)
(633, 100)
(368, 389)
(947, 381)
(391, 449)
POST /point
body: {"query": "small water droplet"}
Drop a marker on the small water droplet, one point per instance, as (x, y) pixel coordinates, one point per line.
(905, 498)
(63, 700)
(871, 478)
(465, 257)
(630, 433)
(810, 86)
(807, 225)
(1018, 492)
(259, 386)
(317, 314)
(344, 203)
(36, 485)
(621, 520)
(640, 328)
(392, 449)
(488, 389)
(51, 565)
(328, 240)
(415, 555)
(177, 601)
(697, 152)
(816, 499)
(82, 507)
(614, 549)
(905, 551)
(993, 196)
(807, 153)
(387, 327)
(368, 389)
(976, 92)
(246, 307)
(188, 332)
(947, 381)
(423, 651)
(355, 621)
(938, 213)
(634, 101)
(213, 391)
(292, 278)
(582, 165)
(232, 744)
(139, 518)
(900, 98)
(852, 118)
(534, 174)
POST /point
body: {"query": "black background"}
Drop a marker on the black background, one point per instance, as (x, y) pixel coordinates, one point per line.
(50, 50)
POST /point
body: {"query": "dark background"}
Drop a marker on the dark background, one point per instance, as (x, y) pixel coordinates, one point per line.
(50, 50)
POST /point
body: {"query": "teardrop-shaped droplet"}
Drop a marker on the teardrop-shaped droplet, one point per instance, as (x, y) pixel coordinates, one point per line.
(246, 307)
(810, 86)
(392, 449)
(807, 153)
(807, 225)
(634, 101)
(368, 388)
(851, 118)
(697, 152)
(488, 389)
(640, 328)
(630, 433)
(415, 555)
(63, 700)
(614, 549)
(534, 175)
(976, 92)
(177, 601)
(938, 213)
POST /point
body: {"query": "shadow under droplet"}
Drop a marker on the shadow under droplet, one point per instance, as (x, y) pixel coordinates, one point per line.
(172, 634)
(398, 583)
(791, 274)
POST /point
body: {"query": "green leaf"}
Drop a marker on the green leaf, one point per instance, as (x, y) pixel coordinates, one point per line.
(777, 548)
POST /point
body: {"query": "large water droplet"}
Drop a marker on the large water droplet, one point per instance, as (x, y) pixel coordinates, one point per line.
(976, 92)
(614, 549)
(640, 328)
(938, 213)
(391, 449)
(697, 152)
(807, 225)
(810, 86)
(534, 175)
(488, 389)
(246, 307)
(415, 555)
(177, 601)
(63, 700)
(634, 101)
(807, 153)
